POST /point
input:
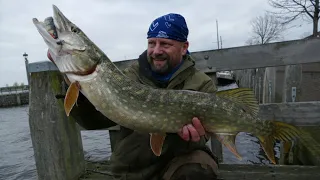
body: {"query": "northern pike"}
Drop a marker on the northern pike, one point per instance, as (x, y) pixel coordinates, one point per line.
(152, 110)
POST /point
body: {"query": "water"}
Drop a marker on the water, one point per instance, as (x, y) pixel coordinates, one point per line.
(16, 152)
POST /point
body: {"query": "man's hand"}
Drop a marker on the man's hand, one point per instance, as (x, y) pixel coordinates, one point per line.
(193, 131)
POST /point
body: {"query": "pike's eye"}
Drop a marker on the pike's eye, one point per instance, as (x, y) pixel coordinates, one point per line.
(75, 29)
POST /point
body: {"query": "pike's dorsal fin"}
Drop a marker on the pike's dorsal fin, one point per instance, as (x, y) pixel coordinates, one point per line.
(71, 97)
(229, 142)
(156, 142)
(243, 97)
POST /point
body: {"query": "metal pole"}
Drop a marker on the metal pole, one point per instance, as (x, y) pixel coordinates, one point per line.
(217, 34)
(26, 61)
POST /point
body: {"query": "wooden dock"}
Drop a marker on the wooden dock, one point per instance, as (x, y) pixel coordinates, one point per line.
(100, 171)
(57, 141)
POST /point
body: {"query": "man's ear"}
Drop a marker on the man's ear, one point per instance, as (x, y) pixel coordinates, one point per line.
(185, 47)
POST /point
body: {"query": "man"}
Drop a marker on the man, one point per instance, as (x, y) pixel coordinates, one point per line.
(165, 64)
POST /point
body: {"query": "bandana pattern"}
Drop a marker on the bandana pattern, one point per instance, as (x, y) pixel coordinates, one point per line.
(170, 26)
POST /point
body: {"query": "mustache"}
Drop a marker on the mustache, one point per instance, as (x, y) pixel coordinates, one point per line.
(161, 57)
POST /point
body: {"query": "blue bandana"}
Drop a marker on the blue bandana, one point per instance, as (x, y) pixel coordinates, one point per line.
(170, 26)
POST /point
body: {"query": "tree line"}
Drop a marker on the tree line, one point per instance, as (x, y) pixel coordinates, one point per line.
(270, 26)
(16, 84)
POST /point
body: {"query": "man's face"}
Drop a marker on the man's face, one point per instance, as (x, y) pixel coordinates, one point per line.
(165, 54)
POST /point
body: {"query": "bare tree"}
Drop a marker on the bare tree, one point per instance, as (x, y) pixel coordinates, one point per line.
(290, 10)
(265, 29)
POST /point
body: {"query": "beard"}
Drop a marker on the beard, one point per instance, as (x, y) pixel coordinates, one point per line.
(160, 63)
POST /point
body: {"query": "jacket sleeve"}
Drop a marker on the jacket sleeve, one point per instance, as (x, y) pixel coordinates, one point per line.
(209, 86)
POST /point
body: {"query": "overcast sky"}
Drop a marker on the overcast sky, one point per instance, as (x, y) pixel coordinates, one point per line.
(119, 27)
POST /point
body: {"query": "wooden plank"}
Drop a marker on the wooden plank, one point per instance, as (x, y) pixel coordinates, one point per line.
(99, 171)
(264, 172)
(269, 85)
(216, 148)
(292, 84)
(56, 139)
(299, 113)
(266, 55)
(291, 93)
(309, 146)
(243, 57)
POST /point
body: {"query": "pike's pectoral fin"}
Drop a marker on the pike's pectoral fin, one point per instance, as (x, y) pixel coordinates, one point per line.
(280, 131)
(243, 97)
(156, 142)
(229, 142)
(71, 97)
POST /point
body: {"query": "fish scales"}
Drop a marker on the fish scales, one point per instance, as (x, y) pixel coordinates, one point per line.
(177, 111)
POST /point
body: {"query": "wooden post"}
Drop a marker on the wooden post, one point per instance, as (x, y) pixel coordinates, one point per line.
(269, 85)
(216, 148)
(292, 83)
(291, 93)
(56, 139)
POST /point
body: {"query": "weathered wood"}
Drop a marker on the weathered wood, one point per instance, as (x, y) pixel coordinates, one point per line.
(101, 171)
(269, 85)
(291, 93)
(292, 84)
(299, 113)
(216, 148)
(266, 55)
(42, 66)
(244, 57)
(309, 146)
(56, 139)
(245, 78)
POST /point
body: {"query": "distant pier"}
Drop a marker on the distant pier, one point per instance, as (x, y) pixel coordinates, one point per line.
(14, 96)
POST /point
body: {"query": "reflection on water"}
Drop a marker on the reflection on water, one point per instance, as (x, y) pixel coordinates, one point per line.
(17, 160)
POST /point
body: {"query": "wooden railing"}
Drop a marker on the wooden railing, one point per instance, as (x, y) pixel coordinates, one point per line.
(57, 140)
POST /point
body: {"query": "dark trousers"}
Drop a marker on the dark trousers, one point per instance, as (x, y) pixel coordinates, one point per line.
(197, 165)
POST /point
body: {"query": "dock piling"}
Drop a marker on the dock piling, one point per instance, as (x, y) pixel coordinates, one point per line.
(56, 139)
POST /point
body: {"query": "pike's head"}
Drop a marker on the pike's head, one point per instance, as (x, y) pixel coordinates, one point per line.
(69, 48)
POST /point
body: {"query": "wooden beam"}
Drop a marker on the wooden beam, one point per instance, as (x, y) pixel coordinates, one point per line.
(298, 113)
(309, 145)
(269, 85)
(291, 93)
(101, 171)
(56, 139)
(264, 172)
(266, 55)
(243, 57)
(292, 83)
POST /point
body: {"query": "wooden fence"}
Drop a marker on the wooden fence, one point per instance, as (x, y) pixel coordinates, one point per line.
(57, 140)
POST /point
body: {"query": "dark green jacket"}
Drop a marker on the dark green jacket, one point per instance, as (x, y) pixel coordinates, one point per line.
(132, 157)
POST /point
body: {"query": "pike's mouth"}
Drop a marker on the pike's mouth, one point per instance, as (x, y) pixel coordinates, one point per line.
(59, 51)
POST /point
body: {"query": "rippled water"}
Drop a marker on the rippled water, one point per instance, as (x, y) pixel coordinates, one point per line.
(17, 159)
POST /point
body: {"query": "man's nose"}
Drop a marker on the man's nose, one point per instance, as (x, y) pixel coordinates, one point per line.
(157, 50)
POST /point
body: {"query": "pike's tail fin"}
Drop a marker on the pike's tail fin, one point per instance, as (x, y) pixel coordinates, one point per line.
(281, 131)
